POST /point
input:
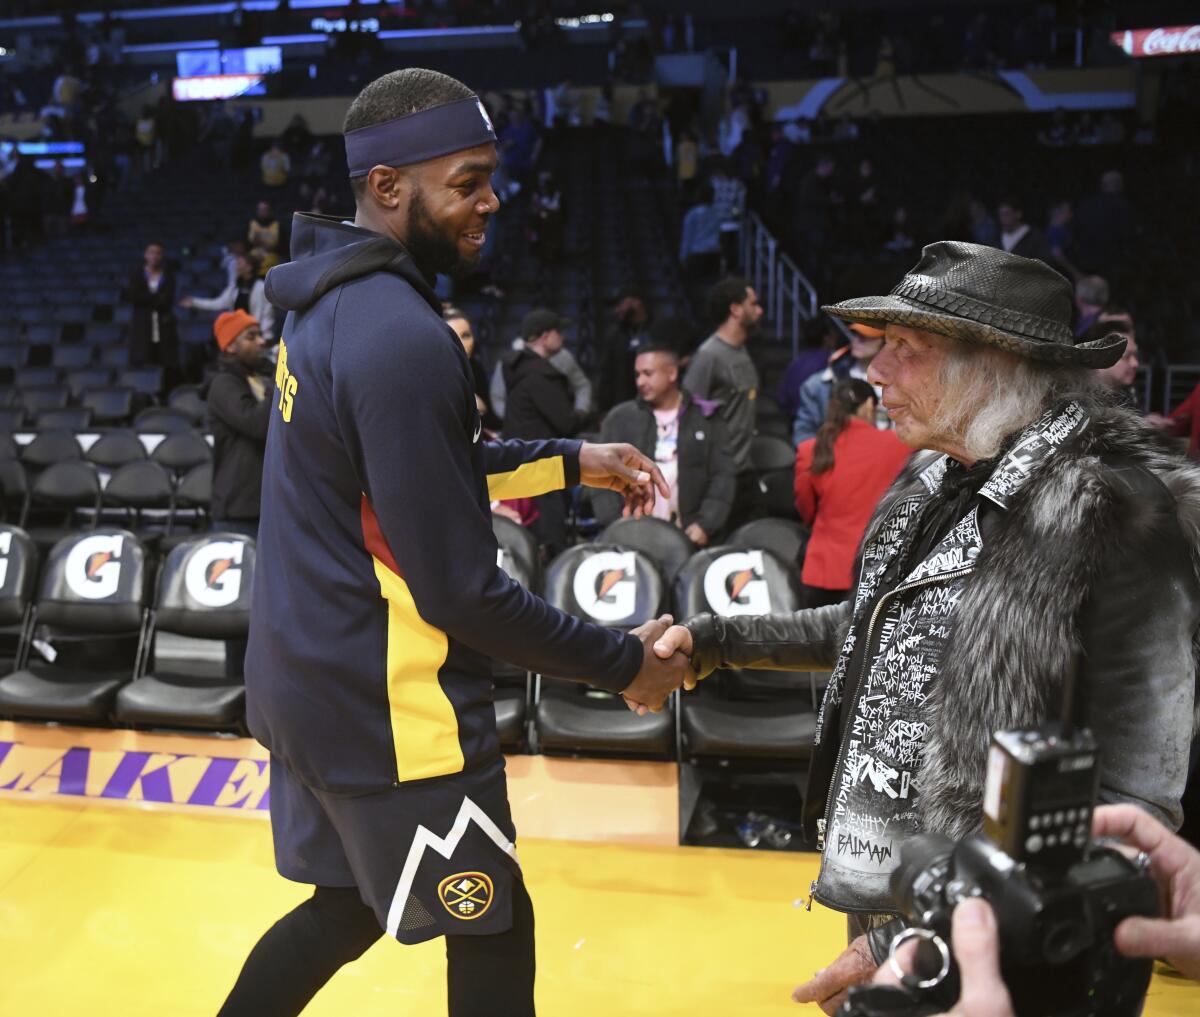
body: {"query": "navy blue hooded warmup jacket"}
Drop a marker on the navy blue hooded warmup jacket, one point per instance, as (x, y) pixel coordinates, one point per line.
(378, 601)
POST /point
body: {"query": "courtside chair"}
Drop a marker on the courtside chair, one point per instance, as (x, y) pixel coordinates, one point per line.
(203, 593)
(665, 543)
(143, 490)
(87, 631)
(18, 571)
(774, 463)
(785, 538)
(63, 498)
(517, 555)
(49, 447)
(115, 448)
(738, 714)
(14, 490)
(182, 451)
(754, 728)
(193, 498)
(618, 588)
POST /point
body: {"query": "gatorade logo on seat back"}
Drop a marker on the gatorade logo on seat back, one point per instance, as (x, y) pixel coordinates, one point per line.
(93, 568)
(605, 585)
(213, 574)
(734, 585)
(5, 550)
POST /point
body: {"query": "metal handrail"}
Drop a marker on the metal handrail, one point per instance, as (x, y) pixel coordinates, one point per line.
(785, 293)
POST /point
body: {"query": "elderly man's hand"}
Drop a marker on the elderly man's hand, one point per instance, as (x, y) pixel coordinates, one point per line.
(976, 945)
(828, 987)
(1175, 865)
(677, 639)
(622, 468)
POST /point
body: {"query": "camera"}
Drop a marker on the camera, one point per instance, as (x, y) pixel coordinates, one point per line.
(1056, 896)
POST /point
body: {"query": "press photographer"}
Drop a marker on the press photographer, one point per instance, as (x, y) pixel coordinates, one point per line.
(1039, 522)
(1175, 937)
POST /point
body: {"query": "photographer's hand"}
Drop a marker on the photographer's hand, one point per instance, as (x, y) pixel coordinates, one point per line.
(1175, 865)
(976, 945)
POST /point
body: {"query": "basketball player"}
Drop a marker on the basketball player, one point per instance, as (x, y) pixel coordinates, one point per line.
(378, 600)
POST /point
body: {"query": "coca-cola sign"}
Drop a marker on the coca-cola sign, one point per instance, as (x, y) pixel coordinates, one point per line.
(1151, 42)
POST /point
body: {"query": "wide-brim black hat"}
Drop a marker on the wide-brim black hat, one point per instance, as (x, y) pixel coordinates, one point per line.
(985, 295)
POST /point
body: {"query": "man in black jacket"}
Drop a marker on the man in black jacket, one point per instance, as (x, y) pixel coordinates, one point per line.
(238, 412)
(686, 437)
(539, 407)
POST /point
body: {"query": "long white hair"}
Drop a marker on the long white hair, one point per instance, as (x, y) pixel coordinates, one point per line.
(989, 393)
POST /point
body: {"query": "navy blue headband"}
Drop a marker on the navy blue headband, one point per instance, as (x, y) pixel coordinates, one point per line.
(418, 137)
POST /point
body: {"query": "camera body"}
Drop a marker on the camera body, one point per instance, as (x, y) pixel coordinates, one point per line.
(1057, 899)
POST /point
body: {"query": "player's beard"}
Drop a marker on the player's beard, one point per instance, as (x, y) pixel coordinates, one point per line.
(432, 250)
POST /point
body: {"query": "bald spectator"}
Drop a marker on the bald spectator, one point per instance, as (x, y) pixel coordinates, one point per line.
(686, 437)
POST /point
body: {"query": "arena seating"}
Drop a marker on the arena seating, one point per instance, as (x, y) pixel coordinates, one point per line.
(87, 629)
(784, 538)
(17, 579)
(203, 593)
(744, 714)
(619, 588)
(665, 544)
(518, 556)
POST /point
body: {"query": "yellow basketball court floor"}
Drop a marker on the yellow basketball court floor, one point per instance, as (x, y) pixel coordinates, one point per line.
(142, 909)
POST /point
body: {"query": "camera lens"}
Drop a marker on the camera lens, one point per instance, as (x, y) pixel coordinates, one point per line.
(919, 857)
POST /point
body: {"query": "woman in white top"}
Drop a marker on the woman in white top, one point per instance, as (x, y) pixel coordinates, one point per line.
(246, 292)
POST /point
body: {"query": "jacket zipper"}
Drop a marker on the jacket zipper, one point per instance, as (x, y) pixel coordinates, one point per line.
(852, 704)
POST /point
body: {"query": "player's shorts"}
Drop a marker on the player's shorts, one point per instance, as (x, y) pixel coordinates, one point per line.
(432, 858)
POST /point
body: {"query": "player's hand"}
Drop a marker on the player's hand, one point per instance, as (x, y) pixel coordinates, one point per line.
(185, 301)
(622, 468)
(828, 987)
(657, 678)
(696, 535)
(976, 945)
(1175, 865)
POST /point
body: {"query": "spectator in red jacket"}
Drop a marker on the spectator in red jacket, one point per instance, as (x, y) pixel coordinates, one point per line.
(1184, 421)
(840, 476)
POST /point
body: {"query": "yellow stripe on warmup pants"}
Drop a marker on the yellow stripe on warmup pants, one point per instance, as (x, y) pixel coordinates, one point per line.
(424, 725)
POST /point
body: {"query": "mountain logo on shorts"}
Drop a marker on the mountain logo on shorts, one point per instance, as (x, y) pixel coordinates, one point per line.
(466, 895)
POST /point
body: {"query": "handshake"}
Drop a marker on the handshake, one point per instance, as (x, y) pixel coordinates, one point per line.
(666, 665)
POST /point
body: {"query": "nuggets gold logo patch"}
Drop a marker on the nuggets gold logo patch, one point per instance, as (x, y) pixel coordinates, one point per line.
(467, 895)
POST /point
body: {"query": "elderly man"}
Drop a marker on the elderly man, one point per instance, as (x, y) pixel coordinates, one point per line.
(1038, 523)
